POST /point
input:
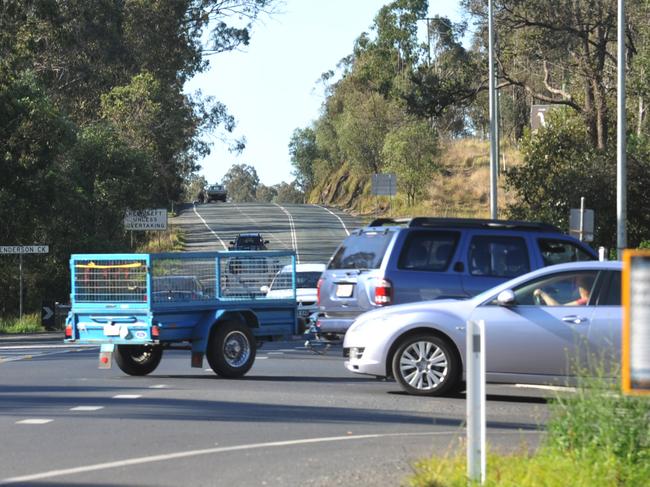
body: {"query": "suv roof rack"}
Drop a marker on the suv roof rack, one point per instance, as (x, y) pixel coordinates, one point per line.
(382, 222)
(482, 223)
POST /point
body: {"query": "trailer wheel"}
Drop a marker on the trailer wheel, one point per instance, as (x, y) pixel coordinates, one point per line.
(231, 349)
(137, 359)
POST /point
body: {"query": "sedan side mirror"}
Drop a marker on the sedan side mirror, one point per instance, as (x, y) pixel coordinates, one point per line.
(266, 242)
(506, 298)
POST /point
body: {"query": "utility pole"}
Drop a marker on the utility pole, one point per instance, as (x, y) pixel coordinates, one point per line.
(621, 163)
(493, 116)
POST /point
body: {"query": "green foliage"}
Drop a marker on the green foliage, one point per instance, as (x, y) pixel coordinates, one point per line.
(265, 193)
(288, 193)
(95, 121)
(561, 165)
(304, 153)
(596, 438)
(30, 323)
(409, 151)
(241, 182)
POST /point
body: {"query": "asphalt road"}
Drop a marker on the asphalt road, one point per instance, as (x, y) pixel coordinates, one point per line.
(313, 231)
(297, 418)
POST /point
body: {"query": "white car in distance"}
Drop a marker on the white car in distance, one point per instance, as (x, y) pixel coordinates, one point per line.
(307, 276)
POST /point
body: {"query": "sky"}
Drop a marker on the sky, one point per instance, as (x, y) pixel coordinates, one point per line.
(271, 86)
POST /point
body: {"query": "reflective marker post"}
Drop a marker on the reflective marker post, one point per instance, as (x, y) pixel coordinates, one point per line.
(475, 376)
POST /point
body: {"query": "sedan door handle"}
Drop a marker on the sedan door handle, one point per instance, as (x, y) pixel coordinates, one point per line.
(575, 319)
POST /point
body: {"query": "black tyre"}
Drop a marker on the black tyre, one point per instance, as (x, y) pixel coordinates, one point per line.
(137, 359)
(231, 349)
(426, 365)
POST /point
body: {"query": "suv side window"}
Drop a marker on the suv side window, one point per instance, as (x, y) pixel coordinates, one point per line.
(428, 251)
(560, 251)
(498, 256)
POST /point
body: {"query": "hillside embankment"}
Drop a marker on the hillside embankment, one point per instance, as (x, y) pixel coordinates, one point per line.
(460, 187)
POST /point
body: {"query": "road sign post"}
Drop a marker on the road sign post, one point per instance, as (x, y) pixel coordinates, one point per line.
(384, 185)
(636, 322)
(20, 250)
(475, 341)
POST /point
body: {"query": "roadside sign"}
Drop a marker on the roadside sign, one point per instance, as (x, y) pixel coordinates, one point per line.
(21, 250)
(538, 116)
(47, 315)
(586, 232)
(24, 249)
(384, 184)
(150, 219)
(636, 322)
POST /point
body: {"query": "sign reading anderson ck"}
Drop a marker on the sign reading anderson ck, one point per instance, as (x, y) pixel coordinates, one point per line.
(152, 219)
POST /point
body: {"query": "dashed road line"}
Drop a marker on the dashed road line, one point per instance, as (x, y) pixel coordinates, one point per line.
(158, 386)
(86, 408)
(127, 396)
(34, 421)
(257, 224)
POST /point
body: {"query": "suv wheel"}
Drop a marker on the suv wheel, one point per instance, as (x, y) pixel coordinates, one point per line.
(426, 365)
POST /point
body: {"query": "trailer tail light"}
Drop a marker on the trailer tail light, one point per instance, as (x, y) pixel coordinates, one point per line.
(320, 282)
(155, 331)
(68, 331)
(383, 293)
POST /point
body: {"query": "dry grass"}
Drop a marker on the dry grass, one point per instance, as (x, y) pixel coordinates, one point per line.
(461, 188)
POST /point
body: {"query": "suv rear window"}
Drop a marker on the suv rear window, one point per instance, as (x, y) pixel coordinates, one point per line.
(362, 251)
(428, 251)
(561, 251)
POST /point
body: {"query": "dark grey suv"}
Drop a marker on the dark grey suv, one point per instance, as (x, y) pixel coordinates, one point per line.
(402, 261)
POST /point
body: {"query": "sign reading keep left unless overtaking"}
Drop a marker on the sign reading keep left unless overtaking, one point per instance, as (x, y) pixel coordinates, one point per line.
(151, 219)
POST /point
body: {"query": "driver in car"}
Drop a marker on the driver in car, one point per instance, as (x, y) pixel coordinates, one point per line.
(583, 286)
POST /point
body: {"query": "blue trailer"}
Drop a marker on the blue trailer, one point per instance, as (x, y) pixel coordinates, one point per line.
(135, 306)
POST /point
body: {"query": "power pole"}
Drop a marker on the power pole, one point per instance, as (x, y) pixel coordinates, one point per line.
(493, 115)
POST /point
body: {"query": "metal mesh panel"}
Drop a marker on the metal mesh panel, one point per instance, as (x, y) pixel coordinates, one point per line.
(110, 281)
(256, 276)
(186, 279)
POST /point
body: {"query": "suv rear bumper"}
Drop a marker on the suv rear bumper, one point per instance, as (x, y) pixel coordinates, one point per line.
(334, 325)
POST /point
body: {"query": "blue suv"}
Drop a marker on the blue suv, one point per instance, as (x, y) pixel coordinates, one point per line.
(402, 261)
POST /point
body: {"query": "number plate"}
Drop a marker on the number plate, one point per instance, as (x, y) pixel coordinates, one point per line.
(344, 290)
(111, 330)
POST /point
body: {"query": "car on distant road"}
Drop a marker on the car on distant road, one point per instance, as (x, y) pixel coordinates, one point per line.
(216, 192)
(307, 276)
(403, 261)
(248, 241)
(527, 340)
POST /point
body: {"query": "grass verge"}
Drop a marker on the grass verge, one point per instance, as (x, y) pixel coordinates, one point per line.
(171, 240)
(29, 324)
(596, 438)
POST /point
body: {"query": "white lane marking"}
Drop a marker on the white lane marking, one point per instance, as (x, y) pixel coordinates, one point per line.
(36, 347)
(546, 388)
(158, 386)
(225, 247)
(34, 421)
(275, 353)
(127, 396)
(330, 211)
(260, 358)
(86, 408)
(292, 227)
(208, 451)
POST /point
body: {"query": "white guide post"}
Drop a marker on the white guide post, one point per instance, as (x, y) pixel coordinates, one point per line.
(475, 377)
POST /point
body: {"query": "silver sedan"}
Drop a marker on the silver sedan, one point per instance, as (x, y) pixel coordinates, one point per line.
(540, 328)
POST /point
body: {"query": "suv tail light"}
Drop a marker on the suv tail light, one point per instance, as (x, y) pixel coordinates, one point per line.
(320, 281)
(383, 293)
